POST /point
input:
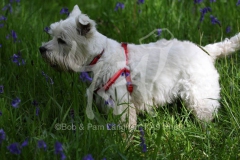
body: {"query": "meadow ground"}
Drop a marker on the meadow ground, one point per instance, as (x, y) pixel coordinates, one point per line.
(42, 112)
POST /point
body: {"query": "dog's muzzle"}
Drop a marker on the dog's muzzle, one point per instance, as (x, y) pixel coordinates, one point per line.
(42, 50)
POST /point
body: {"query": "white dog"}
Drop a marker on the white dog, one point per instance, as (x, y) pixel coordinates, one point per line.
(137, 77)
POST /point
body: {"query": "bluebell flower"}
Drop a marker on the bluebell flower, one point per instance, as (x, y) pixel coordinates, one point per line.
(8, 7)
(1, 25)
(198, 1)
(3, 18)
(238, 3)
(142, 144)
(46, 29)
(37, 111)
(140, 2)
(85, 77)
(2, 135)
(14, 148)
(119, 5)
(42, 144)
(212, 1)
(214, 20)
(7, 36)
(110, 126)
(1, 89)
(64, 10)
(59, 150)
(25, 143)
(16, 58)
(159, 31)
(110, 102)
(0, 45)
(14, 35)
(228, 29)
(0, 115)
(18, 1)
(88, 157)
(15, 102)
(204, 11)
(48, 79)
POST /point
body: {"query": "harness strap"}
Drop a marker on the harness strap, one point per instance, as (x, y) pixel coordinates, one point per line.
(118, 73)
(95, 60)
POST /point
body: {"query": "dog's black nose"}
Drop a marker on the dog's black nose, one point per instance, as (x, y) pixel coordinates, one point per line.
(42, 50)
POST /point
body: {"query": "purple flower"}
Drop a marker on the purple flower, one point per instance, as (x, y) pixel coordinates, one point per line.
(14, 148)
(212, 1)
(2, 135)
(0, 45)
(18, 1)
(110, 102)
(7, 36)
(214, 20)
(14, 35)
(42, 144)
(88, 157)
(228, 29)
(142, 144)
(159, 31)
(204, 11)
(1, 89)
(48, 79)
(0, 115)
(3, 18)
(46, 29)
(110, 125)
(1, 25)
(238, 3)
(25, 143)
(140, 2)
(85, 77)
(15, 102)
(37, 111)
(16, 58)
(119, 5)
(198, 1)
(8, 7)
(64, 10)
(59, 150)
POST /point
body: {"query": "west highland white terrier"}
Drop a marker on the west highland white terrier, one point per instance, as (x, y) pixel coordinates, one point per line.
(133, 77)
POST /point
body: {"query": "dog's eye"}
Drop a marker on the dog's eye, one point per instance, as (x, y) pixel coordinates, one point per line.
(61, 41)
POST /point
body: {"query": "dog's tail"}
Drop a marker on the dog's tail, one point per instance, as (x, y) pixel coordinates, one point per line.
(224, 48)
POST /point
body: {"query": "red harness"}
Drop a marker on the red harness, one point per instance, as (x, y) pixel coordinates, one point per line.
(124, 71)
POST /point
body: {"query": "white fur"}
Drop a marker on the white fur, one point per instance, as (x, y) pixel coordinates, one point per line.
(160, 71)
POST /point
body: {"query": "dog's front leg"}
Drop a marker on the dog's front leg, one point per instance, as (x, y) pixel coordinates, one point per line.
(128, 114)
(123, 106)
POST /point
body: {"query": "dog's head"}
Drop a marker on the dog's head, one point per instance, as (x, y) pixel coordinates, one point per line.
(70, 46)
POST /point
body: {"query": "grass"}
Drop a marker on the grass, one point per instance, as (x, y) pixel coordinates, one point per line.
(171, 134)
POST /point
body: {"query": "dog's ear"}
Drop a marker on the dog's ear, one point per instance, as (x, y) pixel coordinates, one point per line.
(75, 12)
(84, 24)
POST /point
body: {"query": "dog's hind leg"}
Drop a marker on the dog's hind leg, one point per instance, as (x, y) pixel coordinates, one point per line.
(201, 96)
